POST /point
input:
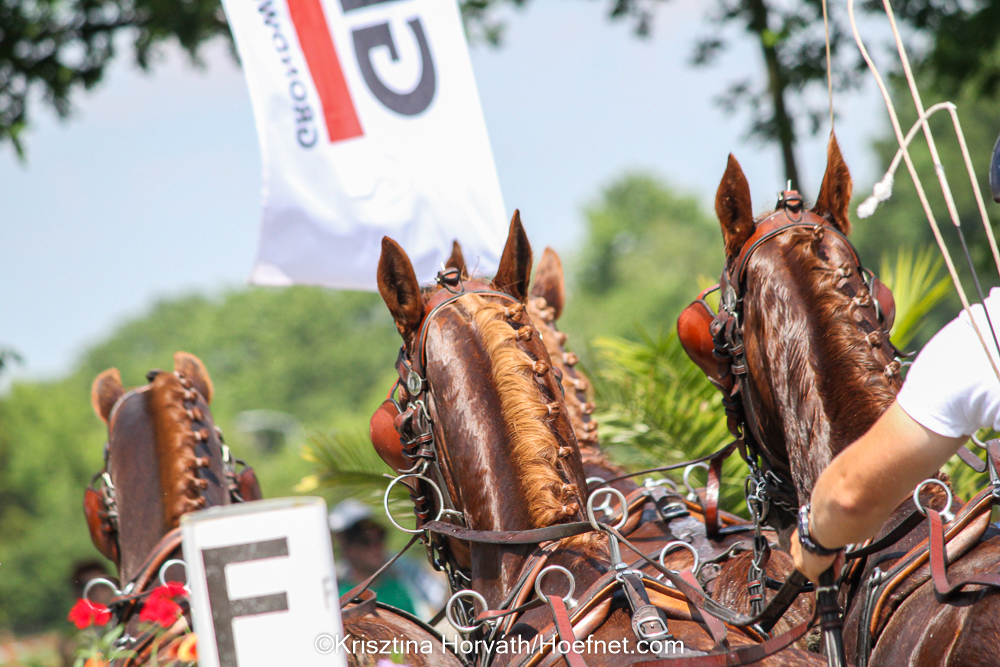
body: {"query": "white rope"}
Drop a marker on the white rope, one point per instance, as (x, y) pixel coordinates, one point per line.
(904, 150)
(882, 190)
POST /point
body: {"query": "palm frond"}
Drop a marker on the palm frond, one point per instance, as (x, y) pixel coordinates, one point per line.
(347, 466)
(659, 408)
(917, 287)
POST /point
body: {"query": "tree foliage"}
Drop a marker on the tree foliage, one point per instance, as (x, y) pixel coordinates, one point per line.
(325, 358)
(60, 46)
(644, 249)
(56, 47)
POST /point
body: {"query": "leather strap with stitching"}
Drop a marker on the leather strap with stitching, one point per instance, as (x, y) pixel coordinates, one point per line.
(939, 568)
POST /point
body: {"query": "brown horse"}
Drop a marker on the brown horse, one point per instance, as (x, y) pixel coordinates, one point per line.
(506, 458)
(812, 367)
(165, 457)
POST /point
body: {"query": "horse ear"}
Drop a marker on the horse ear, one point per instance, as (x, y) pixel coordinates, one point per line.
(191, 367)
(514, 273)
(549, 282)
(835, 193)
(457, 260)
(397, 283)
(105, 392)
(734, 208)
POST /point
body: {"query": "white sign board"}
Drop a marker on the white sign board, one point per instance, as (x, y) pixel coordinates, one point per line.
(263, 587)
(370, 125)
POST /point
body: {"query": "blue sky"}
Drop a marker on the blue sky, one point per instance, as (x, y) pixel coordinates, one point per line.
(152, 188)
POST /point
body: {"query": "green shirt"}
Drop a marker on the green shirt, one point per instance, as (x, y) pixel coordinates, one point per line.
(388, 589)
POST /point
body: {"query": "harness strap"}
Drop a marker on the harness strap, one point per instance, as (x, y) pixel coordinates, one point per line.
(167, 544)
(712, 495)
(939, 565)
(912, 561)
(715, 626)
(742, 656)
(532, 536)
(565, 629)
(776, 607)
(604, 587)
(902, 529)
(359, 610)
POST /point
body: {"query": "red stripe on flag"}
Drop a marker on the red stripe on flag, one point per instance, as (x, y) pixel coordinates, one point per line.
(324, 66)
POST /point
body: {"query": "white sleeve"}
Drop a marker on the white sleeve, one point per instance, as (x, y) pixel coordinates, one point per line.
(951, 388)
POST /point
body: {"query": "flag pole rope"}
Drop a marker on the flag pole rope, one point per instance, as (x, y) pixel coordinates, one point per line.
(921, 194)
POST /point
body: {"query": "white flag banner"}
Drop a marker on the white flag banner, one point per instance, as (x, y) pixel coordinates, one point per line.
(370, 125)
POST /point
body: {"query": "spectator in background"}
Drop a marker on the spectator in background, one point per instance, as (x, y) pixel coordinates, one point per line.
(361, 541)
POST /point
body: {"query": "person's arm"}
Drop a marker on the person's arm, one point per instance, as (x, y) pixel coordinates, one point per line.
(865, 483)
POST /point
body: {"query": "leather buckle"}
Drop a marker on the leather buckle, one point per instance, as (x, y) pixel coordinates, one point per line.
(648, 624)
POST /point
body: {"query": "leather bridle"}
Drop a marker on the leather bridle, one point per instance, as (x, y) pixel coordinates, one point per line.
(414, 424)
(771, 476)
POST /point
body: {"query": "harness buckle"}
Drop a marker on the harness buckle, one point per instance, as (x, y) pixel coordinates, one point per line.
(414, 383)
(648, 624)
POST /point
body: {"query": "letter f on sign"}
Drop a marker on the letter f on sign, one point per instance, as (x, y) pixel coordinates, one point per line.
(224, 609)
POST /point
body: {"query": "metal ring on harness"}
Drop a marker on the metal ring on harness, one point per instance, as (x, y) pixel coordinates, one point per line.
(606, 505)
(673, 546)
(385, 501)
(590, 506)
(97, 582)
(467, 592)
(650, 483)
(599, 480)
(568, 598)
(692, 496)
(167, 565)
(946, 512)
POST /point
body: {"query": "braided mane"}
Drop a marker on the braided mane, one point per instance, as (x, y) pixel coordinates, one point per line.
(841, 379)
(180, 425)
(526, 415)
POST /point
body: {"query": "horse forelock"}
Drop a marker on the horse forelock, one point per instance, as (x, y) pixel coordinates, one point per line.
(828, 383)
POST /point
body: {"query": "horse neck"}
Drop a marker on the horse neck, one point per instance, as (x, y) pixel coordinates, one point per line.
(507, 449)
(165, 460)
(816, 384)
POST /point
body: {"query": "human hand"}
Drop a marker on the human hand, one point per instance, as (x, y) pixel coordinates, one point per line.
(812, 565)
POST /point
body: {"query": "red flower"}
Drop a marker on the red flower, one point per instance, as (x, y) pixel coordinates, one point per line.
(172, 590)
(86, 613)
(160, 609)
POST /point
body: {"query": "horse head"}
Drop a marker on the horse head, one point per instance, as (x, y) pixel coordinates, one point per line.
(164, 458)
(802, 330)
(472, 359)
